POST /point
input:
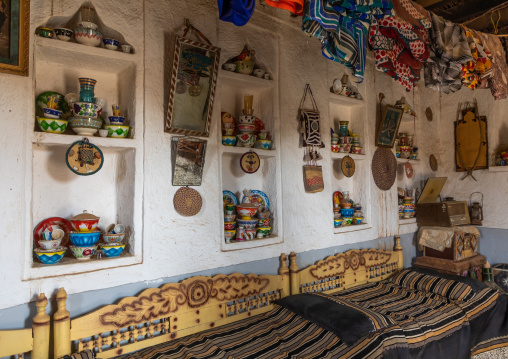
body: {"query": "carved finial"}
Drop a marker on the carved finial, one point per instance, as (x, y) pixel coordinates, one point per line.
(293, 268)
(62, 312)
(283, 269)
(398, 247)
(41, 317)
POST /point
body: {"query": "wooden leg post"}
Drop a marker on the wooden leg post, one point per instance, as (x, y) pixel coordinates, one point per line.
(398, 248)
(284, 273)
(40, 329)
(293, 272)
(62, 326)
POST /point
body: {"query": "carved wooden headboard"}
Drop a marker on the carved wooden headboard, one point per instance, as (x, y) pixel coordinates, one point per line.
(345, 270)
(174, 310)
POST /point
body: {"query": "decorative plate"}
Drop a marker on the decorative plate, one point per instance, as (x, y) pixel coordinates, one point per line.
(187, 202)
(384, 168)
(260, 199)
(433, 163)
(42, 100)
(348, 166)
(408, 169)
(250, 162)
(84, 158)
(400, 191)
(48, 225)
(258, 125)
(229, 197)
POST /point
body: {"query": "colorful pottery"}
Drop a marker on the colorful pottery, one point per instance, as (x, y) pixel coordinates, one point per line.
(50, 256)
(85, 109)
(51, 113)
(229, 226)
(347, 212)
(87, 25)
(397, 154)
(263, 215)
(263, 135)
(63, 34)
(51, 244)
(229, 132)
(247, 223)
(44, 230)
(265, 222)
(85, 126)
(51, 125)
(242, 128)
(112, 237)
(85, 222)
(229, 235)
(337, 222)
(264, 144)
(229, 140)
(246, 210)
(229, 198)
(250, 234)
(356, 149)
(116, 120)
(343, 128)
(244, 67)
(45, 32)
(111, 44)
(229, 218)
(245, 140)
(112, 250)
(335, 148)
(347, 221)
(83, 252)
(90, 37)
(265, 231)
(117, 131)
(42, 101)
(358, 220)
(246, 120)
(85, 239)
(260, 199)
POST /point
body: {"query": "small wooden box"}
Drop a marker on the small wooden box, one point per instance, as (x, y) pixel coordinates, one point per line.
(447, 266)
(464, 245)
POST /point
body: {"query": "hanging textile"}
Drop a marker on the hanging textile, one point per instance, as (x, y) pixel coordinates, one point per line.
(449, 49)
(400, 42)
(295, 6)
(475, 73)
(498, 83)
(342, 27)
(238, 12)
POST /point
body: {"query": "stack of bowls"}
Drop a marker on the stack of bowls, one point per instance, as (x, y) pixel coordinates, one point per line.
(85, 235)
(87, 34)
(116, 127)
(264, 224)
(51, 121)
(229, 227)
(85, 120)
(50, 251)
(113, 244)
(246, 136)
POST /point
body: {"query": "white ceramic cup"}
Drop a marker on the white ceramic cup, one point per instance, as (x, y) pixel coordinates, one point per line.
(119, 229)
(57, 233)
(126, 48)
(103, 132)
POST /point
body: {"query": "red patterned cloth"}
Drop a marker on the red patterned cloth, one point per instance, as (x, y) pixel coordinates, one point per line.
(475, 73)
(295, 6)
(400, 42)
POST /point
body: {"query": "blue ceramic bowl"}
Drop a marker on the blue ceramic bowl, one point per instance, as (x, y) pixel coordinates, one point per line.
(337, 222)
(247, 223)
(359, 220)
(111, 44)
(228, 140)
(84, 239)
(50, 256)
(347, 212)
(63, 34)
(50, 113)
(116, 120)
(112, 250)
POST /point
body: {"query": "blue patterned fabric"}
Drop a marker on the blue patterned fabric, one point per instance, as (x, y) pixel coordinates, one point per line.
(238, 12)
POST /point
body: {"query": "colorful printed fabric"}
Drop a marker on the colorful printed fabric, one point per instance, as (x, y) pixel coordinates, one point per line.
(449, 50)
(342, 27)
(400, 42)
(238, 12)
(295, 6)
(475, 74)
(498, 83)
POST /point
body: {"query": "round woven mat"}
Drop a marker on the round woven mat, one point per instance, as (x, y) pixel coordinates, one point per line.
(384, 168)
(187, 202)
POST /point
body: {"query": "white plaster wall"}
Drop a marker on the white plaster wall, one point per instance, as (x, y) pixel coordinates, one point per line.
(175, 245)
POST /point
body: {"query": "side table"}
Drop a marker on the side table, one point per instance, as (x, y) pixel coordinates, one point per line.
(452, 267)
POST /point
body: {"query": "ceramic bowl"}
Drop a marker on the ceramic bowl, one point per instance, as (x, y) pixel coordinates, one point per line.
(229, 235)
(246, 210)
(247, 223)
(244, 67)
(347, 212)
(337, 222)
(85, 110)
(229, 217)
(46, 32)
(117, 131)
(228, 140)
(111, 44)
(103, 132)
(56, 233)
(259, 72)
(250, 234)
(116, 120)
(228, 132)
(229, 226)
(90, 37)
(83, 252)
(51, 244)
(112, 237)
(246, 120)
(84, 239)
(347, 220)
(263, 135)
(245, 140)
(63, 34)
(358, 220)
(85, 126)
(243, 128)
(112, 250)
(229, 67)
(85, 222)
(51, 125)
(50, 113)
(50, 256)
(265, 231)
(87, 25)
(126, 48)
(264, 144)
(265, 214)
(264, 222)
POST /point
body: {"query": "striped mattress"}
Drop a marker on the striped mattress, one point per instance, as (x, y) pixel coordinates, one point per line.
(427, 316)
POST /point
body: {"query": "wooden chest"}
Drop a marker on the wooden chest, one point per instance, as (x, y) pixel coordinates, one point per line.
(471, 266)
(464, 245)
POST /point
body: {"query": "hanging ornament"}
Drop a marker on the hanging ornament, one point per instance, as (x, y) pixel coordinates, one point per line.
(181, 87)
(433, 163)
(348, 166)
(408, 170)
(384, 168)
(84, 158)
(195, 90)
(187, 202)
(249, 162)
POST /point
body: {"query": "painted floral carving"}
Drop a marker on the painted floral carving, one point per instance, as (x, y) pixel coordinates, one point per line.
(192, 293)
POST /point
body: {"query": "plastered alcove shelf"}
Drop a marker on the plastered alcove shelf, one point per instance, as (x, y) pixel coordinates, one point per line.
(115, 193)
(232, 87)
(343, 108)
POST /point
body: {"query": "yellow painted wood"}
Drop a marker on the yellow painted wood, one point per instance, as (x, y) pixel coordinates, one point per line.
(61, 326)
(13, 342)
(41, 328)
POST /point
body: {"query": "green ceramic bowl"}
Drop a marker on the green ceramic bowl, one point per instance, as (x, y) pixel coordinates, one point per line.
(117, 131)
(51, 125)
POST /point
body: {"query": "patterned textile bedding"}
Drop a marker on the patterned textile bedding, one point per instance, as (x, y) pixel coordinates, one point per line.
(413, 315)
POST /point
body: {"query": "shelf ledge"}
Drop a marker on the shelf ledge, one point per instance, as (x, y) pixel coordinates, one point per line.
(498, 169)
(242, 150)
(235, 79)
(344, 100)
(254, 243)
(56, 139)
(354, 156)
(404, 160)
(352, 228)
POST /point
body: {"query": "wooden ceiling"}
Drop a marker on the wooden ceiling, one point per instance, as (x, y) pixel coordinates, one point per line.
(482, 15)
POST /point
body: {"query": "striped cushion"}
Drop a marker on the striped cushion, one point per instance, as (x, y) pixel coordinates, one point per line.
(86, 354)
(447, 288)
